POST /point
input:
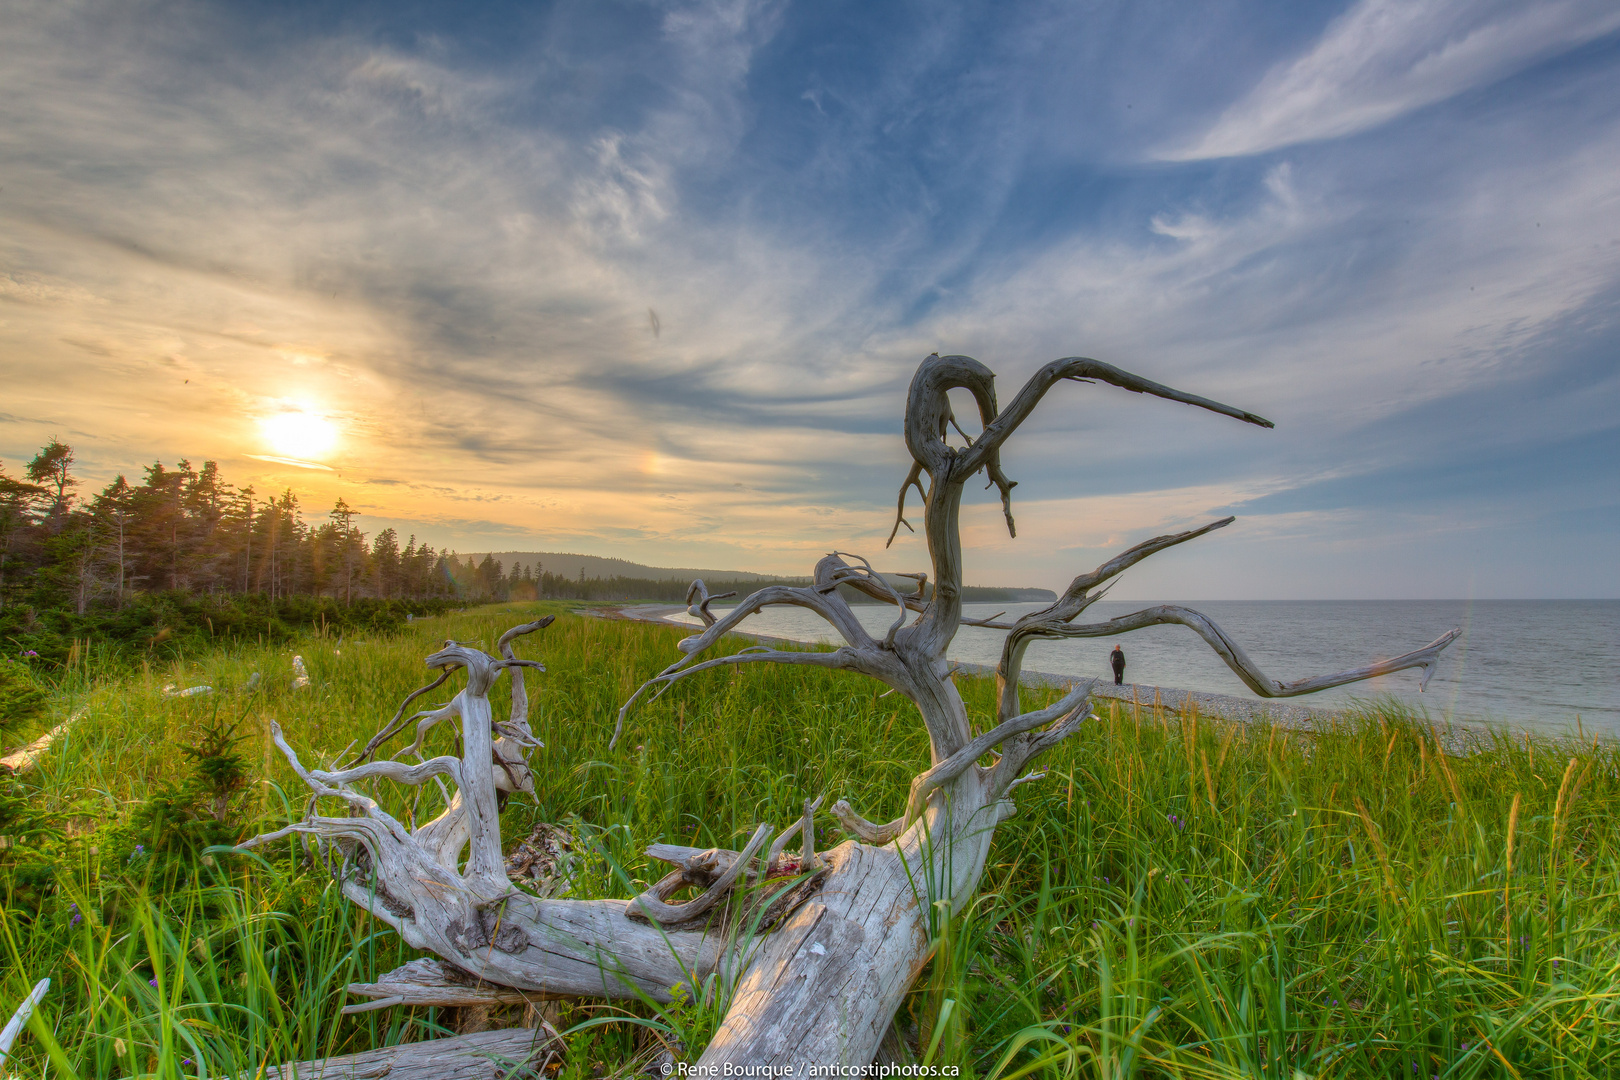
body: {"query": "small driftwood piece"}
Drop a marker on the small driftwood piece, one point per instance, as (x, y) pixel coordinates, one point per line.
(508, 1054)
(716, 871)
(26, 758)
(300, 674)
(432, 982)
(14, 1026)
(190, 691)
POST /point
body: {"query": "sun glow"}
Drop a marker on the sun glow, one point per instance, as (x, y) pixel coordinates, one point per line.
(299, 433)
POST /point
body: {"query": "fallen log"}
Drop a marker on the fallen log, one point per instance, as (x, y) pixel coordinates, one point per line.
(508, 1054)
(26, 758)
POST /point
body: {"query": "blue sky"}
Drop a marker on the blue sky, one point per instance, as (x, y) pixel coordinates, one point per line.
(649, 280)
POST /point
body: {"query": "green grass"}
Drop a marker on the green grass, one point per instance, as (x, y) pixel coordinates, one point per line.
(1178, 898)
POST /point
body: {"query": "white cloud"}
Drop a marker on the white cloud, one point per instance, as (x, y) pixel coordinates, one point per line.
(1306, 304)
(1384, 58)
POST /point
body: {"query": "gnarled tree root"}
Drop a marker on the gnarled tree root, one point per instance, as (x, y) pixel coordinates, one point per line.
(854, 922)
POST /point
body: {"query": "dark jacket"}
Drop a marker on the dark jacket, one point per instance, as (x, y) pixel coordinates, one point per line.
(1117, 658)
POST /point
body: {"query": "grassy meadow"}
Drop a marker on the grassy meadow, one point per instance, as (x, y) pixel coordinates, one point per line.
(1179, 897)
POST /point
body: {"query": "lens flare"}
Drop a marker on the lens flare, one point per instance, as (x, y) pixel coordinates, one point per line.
(299, 433)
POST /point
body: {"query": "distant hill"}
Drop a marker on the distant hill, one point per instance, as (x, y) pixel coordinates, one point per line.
(595, 566)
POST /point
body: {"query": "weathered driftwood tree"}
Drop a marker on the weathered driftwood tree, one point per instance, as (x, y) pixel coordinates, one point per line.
(848, 940)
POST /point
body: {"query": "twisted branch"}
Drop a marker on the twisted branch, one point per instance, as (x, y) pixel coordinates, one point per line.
(843, 659)
(510, 751)
(388, 730)
(869, 832)
(520, 698)
(829, 605)
(397, 771)
(1245, 668)
(1075, 706)
(832, 571)
(651, 903)
(698, 601)
(429, 720)
(983, 452)
(1075, 599)
(913, 479)
(367, 806)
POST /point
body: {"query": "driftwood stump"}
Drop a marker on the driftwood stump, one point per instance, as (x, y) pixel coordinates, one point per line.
(852, 931)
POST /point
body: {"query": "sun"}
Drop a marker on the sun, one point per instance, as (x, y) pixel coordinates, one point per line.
(299, 433)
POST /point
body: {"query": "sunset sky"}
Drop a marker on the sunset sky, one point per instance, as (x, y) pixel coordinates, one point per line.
(649, 280)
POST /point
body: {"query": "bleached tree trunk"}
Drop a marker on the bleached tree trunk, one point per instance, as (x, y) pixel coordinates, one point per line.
(822, 987)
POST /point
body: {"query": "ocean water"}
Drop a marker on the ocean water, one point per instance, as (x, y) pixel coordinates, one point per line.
(1550, 666)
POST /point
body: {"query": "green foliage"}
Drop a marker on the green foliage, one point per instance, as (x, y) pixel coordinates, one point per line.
(22, 700)
(162, 837)
(170, 625)
(31, 840)
(1197, 899)
(1179, 897)
(31, 836)
(179, 820)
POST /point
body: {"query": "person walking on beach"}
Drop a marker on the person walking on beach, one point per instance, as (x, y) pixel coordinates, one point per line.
(1117, 658)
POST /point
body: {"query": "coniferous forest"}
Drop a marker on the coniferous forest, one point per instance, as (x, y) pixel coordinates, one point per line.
(183, 555)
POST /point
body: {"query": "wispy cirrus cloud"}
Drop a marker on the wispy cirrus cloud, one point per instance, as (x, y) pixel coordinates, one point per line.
(1384, 58)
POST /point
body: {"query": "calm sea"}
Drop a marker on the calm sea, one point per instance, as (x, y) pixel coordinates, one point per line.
(1536, 664)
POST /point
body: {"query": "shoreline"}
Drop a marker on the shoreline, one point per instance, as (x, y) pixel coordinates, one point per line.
(1289, 714)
